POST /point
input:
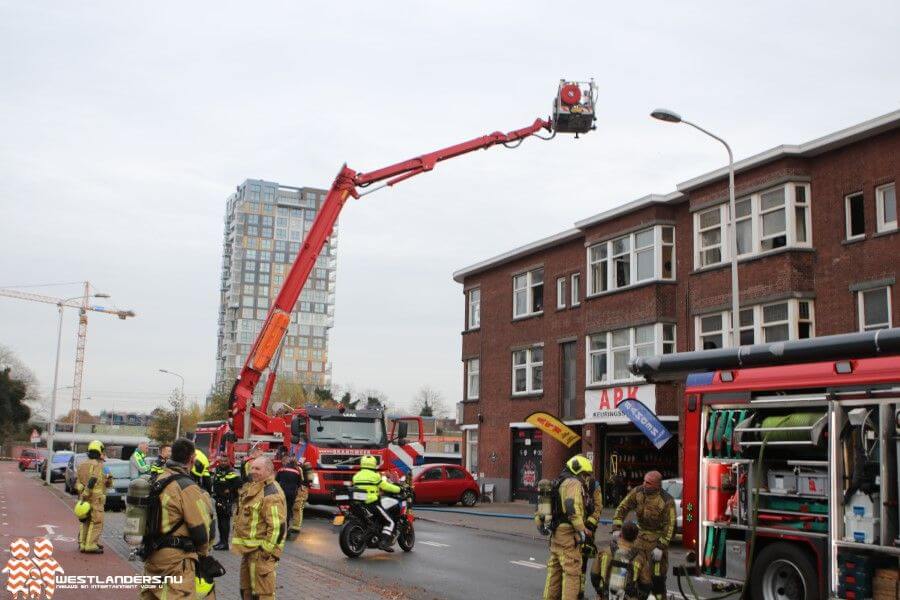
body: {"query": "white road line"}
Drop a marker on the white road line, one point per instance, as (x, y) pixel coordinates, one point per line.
(529, 564)
(435, 544)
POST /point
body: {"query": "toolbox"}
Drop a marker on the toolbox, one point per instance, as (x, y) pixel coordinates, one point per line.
(782, 481)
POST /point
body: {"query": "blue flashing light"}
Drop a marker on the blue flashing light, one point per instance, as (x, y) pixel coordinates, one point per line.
(697, 379)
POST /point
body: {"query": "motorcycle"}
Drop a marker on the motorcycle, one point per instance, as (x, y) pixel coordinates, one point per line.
(362, 524)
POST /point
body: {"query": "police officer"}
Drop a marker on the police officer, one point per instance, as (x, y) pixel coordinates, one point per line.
(200, 471)
(593, 505)
(137, 464)
(186, 521)
(225, 485)
(259, 530)
(165, 452)
(373, 483)
(289, 477)
(655, 511)
(568, 531)
(91, 483)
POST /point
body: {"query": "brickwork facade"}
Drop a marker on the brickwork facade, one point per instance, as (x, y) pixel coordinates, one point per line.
(799, 276)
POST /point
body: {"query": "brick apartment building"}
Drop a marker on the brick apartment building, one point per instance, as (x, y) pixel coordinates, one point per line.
(551, 325)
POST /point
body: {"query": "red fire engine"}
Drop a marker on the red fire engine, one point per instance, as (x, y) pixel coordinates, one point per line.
(330, 439)
(790, 464)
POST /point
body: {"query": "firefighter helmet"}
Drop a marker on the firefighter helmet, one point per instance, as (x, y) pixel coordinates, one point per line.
(368, 462)
(202, 587)
(96, 445)
(82, 510)
(579, 465)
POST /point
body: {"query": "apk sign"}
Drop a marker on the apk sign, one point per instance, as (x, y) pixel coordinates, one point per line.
(602, 406)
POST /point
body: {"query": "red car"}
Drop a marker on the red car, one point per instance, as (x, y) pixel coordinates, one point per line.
(31, 459)
(447, 484)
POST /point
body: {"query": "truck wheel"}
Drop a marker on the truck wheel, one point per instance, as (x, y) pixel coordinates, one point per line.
(783, 572)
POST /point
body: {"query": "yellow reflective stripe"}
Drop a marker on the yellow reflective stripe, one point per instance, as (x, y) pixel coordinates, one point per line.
(276, 526)
(254, 520)
(671, 528)
(204, 513)
(164, 513)
(253, 576)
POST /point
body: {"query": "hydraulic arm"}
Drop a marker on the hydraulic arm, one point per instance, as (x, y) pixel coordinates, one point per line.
(573, 113)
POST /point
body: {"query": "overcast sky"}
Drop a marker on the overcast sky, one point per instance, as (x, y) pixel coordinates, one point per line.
(124, 126)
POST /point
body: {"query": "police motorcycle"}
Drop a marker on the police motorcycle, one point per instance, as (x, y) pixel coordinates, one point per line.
(362, 525)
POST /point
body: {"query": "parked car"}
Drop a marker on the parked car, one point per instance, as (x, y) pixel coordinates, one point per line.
(674, 487)
(115, 496)
(57, 465)
(72, 470)
(444, 483)
(31, 459)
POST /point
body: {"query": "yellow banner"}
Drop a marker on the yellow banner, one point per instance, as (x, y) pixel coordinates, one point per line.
(553, 427)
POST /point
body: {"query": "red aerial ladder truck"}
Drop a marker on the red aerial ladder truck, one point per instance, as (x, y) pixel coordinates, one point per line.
(791, 464)
(296, 432)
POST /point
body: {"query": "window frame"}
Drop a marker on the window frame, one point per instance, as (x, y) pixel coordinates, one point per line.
(861, 309)
(848, 235)
(560, 293)
(529, 366)
(529, 291)
(883, 226)
(473, 309)
(662, 343)
(576, 289)
(472, 450)
(469, 376)
(793, 321)
(603, 271)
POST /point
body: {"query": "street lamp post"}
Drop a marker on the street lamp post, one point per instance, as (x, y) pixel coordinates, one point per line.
(177, 405)
(52, 425)
(670, 116)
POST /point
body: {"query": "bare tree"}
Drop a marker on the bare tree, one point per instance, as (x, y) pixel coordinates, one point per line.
(17, 370)
(373, 399)
(429, 402)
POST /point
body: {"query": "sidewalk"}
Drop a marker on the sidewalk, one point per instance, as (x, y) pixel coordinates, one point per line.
(29, 510)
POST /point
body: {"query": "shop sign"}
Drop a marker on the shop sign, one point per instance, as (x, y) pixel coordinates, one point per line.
(601, 406)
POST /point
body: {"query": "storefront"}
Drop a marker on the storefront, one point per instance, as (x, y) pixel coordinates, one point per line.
(623, 454)
(527, 462)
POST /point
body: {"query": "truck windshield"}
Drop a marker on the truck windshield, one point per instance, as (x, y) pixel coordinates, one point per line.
(346, 431)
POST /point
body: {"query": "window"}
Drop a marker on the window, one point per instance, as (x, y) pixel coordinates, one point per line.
(528, 370)
(609, 353)
(472, 450)
(763, 323)
(886, 207)
(455, 473)
(432, 474)
(576, 289)
(641, 256)
(855, 209)
(528, 293)
(768, 220)
(474, 317)
(561, 292)
(473, 366)
(874, 309)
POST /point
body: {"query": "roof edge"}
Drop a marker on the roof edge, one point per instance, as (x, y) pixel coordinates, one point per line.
(547, 242)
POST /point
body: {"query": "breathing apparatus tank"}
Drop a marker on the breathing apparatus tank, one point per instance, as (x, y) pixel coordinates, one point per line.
(544, 506)
(136, 511)
(618, 572)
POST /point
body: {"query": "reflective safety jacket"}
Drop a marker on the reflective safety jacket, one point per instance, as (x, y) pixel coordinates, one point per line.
(157, 467)
(594, 504)
(137, 464)
(225, 485)
(570, 506)
(373, 484)
(655, 511)
(260, 520)
(186, 512)
(88, 470)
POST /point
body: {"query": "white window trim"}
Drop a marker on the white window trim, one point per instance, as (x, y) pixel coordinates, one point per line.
(529, 294)
(529, 366)
(576, 289)
(658, 343)
(469, 430)
(793, 322)
(632, 253)
(860, 307)
(883, 225)
(790, 219)
(477, 374)
(847, 235)
(560, 292)
(473, 323)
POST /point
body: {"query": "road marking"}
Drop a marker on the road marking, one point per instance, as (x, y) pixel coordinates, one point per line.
(435, 544)
(50, 528)
(530, 565)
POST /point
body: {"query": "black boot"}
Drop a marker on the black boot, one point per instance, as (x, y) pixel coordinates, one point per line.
(387, 544)
(220, 546)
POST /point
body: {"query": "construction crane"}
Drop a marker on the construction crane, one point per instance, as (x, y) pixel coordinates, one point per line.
(82, 303)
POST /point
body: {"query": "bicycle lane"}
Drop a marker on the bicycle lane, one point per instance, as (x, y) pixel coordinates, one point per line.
(29, 511)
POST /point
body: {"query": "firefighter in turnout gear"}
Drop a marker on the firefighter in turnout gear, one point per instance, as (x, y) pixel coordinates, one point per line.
(225, 485)
(91, 483)
(655, 511)
(176, 542)
(290, 478)
(373, 483)
(616, 571)
(259, 530)
(593, 505)
(568, 531)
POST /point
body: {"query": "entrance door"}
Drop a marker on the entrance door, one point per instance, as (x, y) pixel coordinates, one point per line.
(527, 459)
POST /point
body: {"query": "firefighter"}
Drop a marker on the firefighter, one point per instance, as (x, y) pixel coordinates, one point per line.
(91, 483)
(655, 511)
(259, 530)
(289, 477)
(165, 452)
(568, 530)
(137, 464)
(593, 505)
(183, 536)
(302, 497)
(373, 483)
(244, 471)
(225, 485)
(620, 564)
